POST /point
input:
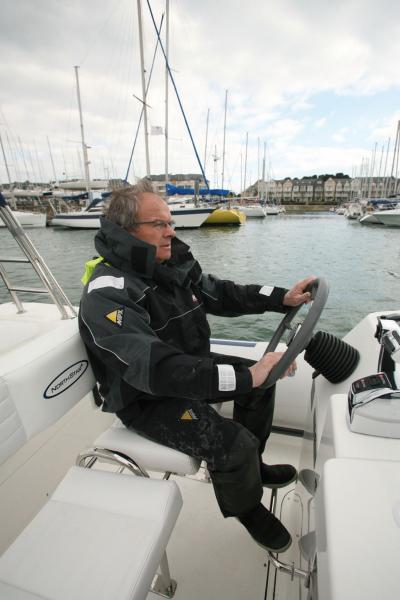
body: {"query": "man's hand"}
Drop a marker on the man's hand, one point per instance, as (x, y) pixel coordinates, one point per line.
(261, 369)
(297, 295)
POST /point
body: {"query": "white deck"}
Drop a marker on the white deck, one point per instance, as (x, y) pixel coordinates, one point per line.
(210, 557)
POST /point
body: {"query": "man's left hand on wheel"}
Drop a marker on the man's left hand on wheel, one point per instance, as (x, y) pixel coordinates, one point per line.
(297, 294)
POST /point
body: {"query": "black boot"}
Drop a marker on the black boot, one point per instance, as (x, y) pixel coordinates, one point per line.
(277, 476)
(266, 529)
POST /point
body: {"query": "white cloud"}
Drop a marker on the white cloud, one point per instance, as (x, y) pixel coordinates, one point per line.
(340, 136)
(279, 61)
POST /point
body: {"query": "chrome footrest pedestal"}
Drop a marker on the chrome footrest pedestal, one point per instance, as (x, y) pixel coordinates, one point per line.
(290, 569)
(159, 588)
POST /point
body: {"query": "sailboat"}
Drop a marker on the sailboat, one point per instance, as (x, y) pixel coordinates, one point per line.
(390, 217)
(28, 218)
(225, 214)
(24, 218)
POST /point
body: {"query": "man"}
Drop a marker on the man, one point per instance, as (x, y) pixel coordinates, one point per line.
(143, 320)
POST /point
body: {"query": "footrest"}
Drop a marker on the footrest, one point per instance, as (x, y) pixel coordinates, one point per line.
(102, 535)
(146, 453)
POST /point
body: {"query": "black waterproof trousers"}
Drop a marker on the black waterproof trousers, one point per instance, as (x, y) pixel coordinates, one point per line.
(231, 448)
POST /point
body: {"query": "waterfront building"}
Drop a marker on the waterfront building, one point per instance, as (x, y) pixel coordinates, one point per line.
(322, 189)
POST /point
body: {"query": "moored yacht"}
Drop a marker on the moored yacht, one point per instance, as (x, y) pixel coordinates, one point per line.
(252, 211)
(185, 215)
(390, 217)
(28, 218)
(376, 211)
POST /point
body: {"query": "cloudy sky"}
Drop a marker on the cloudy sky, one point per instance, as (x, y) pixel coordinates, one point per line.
(314, 82)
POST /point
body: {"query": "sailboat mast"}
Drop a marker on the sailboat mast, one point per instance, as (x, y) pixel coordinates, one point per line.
(205, 145)
(371, 173)
(378, 183)
(84, 146)
(144, 92)
(52, 161)
(395, 152)
(223, 145)
(263, 172)
(166, 91)
(258, 169)
(245, 162)
(385, 177)
(8, 174)
(23, 158)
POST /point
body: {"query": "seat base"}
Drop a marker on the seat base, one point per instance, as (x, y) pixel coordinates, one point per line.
(145, 454)
(96, 512)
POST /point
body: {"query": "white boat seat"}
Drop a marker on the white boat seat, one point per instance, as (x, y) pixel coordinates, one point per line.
(101, 536)
(148, 455)
(42, 376)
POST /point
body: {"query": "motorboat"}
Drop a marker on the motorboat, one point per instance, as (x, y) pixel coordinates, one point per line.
(390, 217)
(340, 210)
(375, 208)
(186, 216)
(354, 211)
(337, 420)
(28, 218)
(370, 218)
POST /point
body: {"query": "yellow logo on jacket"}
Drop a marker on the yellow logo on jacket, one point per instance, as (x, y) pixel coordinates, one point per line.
(116, 316)
(189, 415)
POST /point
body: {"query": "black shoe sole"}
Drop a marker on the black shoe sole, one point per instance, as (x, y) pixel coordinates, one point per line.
(268, 548)
(276, 486)
(275, 550)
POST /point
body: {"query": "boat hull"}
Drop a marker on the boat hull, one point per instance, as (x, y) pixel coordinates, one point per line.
(28, 219)
(272, 210)
(184, 217)
(226, 216)
(253, 211)
(391, 218)
(187, 218)
(370, 219)
(77, 220)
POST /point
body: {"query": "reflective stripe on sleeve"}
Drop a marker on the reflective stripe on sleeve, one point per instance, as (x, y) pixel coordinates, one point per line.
(226, 378)
(266, 290)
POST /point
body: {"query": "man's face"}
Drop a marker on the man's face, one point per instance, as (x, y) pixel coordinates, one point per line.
(158, 230)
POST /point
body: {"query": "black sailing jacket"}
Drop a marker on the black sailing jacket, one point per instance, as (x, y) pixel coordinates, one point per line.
(144, 323)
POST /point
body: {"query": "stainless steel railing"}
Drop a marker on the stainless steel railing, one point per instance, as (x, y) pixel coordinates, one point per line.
(32, 257)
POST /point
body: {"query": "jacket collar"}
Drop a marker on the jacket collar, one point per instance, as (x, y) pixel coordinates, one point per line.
(126, 252)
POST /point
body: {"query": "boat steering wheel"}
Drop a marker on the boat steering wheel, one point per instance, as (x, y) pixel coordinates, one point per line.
(301, 334)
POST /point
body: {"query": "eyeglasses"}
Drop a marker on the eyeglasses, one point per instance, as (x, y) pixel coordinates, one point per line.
(161, 225)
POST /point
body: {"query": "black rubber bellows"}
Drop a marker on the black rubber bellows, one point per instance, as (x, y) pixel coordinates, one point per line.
(331, 357)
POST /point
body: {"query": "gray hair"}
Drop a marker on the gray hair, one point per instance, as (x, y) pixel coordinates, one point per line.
(123, 206)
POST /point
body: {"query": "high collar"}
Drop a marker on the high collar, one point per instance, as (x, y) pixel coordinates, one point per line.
(126, 252)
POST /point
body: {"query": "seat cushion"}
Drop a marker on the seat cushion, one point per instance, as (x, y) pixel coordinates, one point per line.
(146, 453)
(101, 536)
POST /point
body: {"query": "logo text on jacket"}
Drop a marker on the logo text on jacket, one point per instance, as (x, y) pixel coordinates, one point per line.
(116, 316)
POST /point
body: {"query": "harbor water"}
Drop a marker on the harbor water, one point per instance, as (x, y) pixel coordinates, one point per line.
(361, 264)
